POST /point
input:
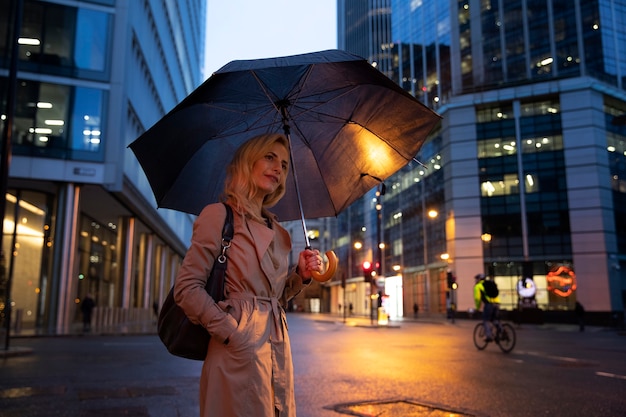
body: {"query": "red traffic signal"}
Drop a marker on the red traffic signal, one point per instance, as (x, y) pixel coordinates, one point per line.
(367, 271)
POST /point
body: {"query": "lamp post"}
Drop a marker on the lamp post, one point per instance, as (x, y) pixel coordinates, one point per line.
(5, 159)
(356, 246)
(379, 233)
(425, 215)
(380, 245)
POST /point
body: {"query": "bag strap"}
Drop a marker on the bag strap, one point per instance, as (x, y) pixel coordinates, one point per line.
(227, 234)
(216, 280)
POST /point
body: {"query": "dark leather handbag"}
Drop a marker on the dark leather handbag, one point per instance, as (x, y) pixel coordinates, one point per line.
(179, 335)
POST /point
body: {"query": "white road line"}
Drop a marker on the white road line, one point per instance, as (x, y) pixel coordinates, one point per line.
(609, 375)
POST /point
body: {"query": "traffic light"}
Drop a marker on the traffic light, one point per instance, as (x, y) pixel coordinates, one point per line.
(452, 281)
(368, 269)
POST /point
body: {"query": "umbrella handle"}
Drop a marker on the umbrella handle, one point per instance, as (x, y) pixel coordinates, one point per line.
(330, 269)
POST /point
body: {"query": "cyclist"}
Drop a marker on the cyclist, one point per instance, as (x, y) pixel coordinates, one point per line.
(483, 293)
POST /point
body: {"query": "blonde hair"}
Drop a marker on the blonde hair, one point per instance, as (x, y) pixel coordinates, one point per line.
(239, 186)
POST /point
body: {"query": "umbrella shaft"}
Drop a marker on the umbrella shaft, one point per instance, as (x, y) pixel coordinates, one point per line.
(295, 181)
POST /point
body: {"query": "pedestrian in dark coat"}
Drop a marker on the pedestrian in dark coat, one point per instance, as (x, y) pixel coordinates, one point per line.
(580, 316)
(86, 307)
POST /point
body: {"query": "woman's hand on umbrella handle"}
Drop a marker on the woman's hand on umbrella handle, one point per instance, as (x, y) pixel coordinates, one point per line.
(331, 268)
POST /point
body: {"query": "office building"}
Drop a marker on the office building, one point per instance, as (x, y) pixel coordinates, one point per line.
(80, 217)
(524, 179)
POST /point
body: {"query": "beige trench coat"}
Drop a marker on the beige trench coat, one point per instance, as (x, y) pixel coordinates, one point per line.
(248, 369)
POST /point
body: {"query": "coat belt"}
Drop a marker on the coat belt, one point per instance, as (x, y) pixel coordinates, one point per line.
(275, 305)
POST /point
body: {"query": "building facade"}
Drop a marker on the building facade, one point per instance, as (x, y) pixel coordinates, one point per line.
(524, 178)
(80, 217)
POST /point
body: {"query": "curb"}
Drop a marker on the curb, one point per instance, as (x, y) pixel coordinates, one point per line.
(15, 351)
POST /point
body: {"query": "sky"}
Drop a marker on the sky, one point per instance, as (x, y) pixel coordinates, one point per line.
(250, 29)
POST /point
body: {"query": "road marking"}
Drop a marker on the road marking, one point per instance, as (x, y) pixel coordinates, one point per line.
(609, 375)
(127, 344)
(553, 357)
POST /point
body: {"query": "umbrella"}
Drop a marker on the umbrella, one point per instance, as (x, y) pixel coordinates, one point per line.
(350, 127)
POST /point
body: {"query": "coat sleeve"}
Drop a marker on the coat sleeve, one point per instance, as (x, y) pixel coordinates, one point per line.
(293, 287)
(189, 286)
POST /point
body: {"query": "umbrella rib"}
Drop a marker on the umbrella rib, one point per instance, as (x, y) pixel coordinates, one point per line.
(344, 120)
(302, 83)
(254, 124)
(265, 90)
(321, 103)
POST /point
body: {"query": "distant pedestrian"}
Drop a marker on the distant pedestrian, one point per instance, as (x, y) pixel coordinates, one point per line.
(86, 307)
(351, 308)
(580, 316)
(155, 310)
(416, 309)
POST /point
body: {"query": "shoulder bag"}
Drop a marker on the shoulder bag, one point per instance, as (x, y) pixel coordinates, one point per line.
(179, 335)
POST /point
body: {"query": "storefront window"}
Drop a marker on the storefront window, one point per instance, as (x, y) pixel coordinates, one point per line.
(26, 224)
(98, 272)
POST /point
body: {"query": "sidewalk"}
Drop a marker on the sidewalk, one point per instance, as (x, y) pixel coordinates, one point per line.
(16, 348)
(441, 319)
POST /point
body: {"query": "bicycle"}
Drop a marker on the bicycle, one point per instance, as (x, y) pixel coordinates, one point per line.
(504, 333)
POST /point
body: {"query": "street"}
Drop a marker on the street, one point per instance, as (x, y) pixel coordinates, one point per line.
(552, 371)
(410, 368)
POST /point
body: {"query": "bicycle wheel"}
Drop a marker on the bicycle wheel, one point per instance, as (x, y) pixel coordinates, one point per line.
(507, 338)
(479, 337)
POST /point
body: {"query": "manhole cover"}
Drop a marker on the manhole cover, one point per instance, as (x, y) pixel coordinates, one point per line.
(402, 408)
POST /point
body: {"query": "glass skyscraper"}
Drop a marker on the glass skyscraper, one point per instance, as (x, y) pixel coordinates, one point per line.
(524, 178)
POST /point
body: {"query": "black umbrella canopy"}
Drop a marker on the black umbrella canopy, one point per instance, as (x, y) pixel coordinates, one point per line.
(350, 127)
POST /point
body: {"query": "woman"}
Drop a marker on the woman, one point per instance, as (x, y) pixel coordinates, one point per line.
(248, 369)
